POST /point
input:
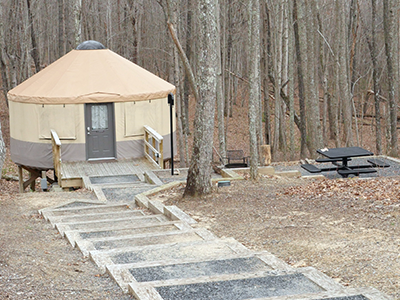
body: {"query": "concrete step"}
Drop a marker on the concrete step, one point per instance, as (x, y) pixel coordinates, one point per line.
(126, 192)
(110, 224)
(124, 274)
(152, 257)
(83, 208)
(265, 284)
(348, 294)
(75, 236)
(178, 251)
(77, 218)
(115, 180)
(157, 238)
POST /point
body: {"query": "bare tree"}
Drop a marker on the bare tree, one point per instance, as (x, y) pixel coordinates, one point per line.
(343, 79)
(255, 83)
(375, 71)
(199, 174)
(35, 50)
(300, 76)
(2, 151)
(390, 15)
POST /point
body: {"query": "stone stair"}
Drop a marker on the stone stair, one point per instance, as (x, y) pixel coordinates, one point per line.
(153, 252)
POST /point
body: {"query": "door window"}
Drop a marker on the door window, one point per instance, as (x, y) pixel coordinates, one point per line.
(99, 117)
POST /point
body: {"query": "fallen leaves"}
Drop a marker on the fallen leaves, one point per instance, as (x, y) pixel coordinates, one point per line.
(383, 190)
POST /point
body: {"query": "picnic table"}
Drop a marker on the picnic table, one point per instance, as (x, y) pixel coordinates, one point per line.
(340, 158)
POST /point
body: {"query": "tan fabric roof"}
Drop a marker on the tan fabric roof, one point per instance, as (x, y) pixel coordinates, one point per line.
(87, 76)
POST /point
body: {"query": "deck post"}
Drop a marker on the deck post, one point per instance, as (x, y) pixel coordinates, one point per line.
(20, 179)
(56, 148)
(33, 176)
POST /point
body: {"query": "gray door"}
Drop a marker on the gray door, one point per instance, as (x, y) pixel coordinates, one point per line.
(100, 131)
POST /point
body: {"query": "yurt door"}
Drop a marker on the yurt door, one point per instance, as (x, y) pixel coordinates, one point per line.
(100, 131)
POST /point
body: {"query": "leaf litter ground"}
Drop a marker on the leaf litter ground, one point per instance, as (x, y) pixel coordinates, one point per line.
(347, 228)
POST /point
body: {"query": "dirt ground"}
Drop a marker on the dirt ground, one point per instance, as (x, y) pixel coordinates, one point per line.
(35, 261)
(348, 229)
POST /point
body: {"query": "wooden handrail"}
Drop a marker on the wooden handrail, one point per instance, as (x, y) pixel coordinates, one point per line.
(153, 146)
(56, 147)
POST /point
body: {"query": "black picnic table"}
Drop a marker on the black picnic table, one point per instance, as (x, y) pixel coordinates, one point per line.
(340, 158)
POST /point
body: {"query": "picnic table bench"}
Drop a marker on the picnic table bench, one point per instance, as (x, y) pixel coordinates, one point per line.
(340, 157)
(236, 159)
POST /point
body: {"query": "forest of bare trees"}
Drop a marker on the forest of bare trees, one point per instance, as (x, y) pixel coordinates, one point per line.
(312, 73)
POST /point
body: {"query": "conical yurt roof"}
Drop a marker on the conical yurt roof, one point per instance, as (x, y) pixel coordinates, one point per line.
(91, 76)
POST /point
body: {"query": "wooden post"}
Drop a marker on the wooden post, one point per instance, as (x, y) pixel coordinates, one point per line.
(32, 185)
(146, 138)
(56, 146)
(161, 158)
(155, 147)
(20, 179)
(33, 174)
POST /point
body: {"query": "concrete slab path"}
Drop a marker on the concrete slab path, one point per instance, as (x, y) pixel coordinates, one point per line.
(153, 252)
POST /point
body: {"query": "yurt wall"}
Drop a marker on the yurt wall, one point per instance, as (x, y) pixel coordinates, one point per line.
(31, 125)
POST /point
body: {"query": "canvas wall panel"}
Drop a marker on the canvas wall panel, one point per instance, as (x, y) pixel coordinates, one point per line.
(24, 123)
(61, 118)
(153, 113)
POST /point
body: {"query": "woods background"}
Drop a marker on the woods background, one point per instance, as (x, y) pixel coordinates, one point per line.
(326, 71)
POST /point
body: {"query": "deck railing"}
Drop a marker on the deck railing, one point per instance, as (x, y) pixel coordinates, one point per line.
(56, 146)
(153, 146)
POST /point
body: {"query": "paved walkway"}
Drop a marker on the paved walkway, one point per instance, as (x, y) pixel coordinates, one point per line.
(156, 252)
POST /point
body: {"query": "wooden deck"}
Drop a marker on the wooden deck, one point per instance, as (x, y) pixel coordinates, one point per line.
(73, 173)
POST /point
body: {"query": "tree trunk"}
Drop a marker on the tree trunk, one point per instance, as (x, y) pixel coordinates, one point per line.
(344, 89)
(61, 35)
(4, 61)
(35, 50)
(178, 99)
(277, 77)
(283, 85)
(314, 128)
(188, 50)
(220, 102)
(255, 83)
(376, 81)
(390, 9)
(291, 87)
(2, 152)
(80, 6)
(324, 73)
(199, 174)
(267, 71)
(300, 76)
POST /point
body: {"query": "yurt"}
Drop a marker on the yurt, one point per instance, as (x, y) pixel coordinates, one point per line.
(98, 104)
